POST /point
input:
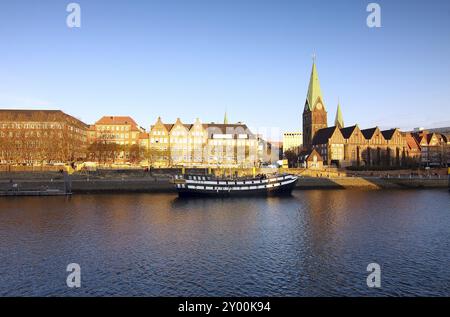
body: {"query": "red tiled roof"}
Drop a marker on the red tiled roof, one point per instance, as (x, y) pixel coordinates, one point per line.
(39, 115)
(116, 120)
(412, 142)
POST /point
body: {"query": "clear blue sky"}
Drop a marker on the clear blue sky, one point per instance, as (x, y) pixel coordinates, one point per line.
(194, 58)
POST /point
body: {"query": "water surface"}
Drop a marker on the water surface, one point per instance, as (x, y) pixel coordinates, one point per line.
(315, 243)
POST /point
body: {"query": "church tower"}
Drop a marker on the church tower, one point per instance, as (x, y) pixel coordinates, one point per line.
(314, 114)
(339, 120)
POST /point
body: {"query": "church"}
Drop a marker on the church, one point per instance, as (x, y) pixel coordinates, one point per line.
(343, 146)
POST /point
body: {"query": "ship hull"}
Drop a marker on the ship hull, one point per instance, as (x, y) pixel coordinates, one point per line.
(264, 188)
(284, 191)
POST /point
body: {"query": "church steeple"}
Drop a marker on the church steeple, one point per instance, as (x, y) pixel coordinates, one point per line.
(314, 95)
(339, 120)
(314, 113)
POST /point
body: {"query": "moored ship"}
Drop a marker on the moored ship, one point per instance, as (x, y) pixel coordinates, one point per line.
(201, 185)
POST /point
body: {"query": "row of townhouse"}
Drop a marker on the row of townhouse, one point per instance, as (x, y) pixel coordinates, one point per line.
(46, 136)
(351, 146)
(176, 144)
(181, 144)
(434, 148)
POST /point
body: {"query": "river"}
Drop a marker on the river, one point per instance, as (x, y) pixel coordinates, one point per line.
(315, 243)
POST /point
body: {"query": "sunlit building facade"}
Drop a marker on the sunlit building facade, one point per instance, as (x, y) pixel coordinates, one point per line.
(37, 137)
(292, 141)
(351, 146)
(201, 145)
(122, 130)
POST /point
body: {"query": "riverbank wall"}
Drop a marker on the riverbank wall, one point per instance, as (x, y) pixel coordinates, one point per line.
(161, 183)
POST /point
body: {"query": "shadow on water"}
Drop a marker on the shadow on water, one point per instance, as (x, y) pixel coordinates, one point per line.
(179, 201)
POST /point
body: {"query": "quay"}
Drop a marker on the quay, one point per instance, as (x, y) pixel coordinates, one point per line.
(136, 181)
(49, 192)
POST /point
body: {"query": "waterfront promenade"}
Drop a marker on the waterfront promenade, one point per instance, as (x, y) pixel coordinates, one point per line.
(159, 181)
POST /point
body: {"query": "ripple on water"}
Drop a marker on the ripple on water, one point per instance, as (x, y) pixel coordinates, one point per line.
(316, 243)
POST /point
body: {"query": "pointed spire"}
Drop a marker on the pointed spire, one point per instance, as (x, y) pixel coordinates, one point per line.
(225, 118)
(339, 120)
(314, 91)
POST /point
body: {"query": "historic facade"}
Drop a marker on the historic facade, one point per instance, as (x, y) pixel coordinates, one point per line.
(314, 113)
(434, 148)
(36, 137)
(351, 146)
(122, 130)
(199, 145)
(158, 145)
(116, 139)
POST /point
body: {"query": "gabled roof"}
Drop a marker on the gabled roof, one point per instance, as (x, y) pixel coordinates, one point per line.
(422, 139)
(159, 123)
(310, 156)
(348, 131)
(388, 133)
(213, 128)
(430, 137)
(180, 124)
(323, 135)
(314, 91)
(168, 126)
(440, 137)
(411, 141)
(368, 133)
(220, 128)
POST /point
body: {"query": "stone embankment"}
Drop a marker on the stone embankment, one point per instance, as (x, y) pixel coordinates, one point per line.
(159, 181)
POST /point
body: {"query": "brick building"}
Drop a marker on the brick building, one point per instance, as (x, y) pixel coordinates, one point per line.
(116, 139)
(35, 137)
(351, 146)
(434, 148)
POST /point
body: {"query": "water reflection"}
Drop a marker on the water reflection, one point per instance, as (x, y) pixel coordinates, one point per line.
(313, 243)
